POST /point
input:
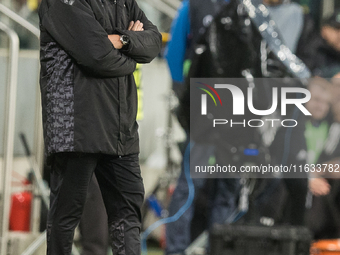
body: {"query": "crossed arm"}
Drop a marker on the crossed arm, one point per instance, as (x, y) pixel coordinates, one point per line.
(133, 26)
(76, 29)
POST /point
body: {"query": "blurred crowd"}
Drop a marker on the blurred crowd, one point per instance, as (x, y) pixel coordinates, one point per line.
(311, 200)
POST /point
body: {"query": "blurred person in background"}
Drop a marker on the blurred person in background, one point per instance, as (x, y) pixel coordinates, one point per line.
(191, 21)
(317, 125)
(297, 29)
(317, 128)
(328, 46)
(306, 145)
(299, 35)
(328, 58)
(323, 216)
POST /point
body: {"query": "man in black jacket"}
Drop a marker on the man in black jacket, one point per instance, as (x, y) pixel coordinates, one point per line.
(89, 50)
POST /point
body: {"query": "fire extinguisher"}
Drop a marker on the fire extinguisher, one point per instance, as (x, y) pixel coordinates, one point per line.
(20, 213)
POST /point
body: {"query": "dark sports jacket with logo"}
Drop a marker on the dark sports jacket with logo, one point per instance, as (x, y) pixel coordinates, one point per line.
(89, 96)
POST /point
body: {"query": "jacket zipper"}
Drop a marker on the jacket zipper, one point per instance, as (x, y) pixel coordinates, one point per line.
(119, 89)
(115, 3)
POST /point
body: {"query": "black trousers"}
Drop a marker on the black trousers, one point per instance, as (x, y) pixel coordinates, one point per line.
(122, 189)
(93, 224)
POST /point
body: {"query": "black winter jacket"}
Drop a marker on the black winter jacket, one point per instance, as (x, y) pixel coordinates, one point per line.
(89, 97)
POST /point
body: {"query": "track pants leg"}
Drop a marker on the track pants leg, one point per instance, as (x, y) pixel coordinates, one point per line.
(121, 185)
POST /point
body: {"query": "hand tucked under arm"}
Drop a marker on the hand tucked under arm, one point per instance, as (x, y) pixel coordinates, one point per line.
(136, 26)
